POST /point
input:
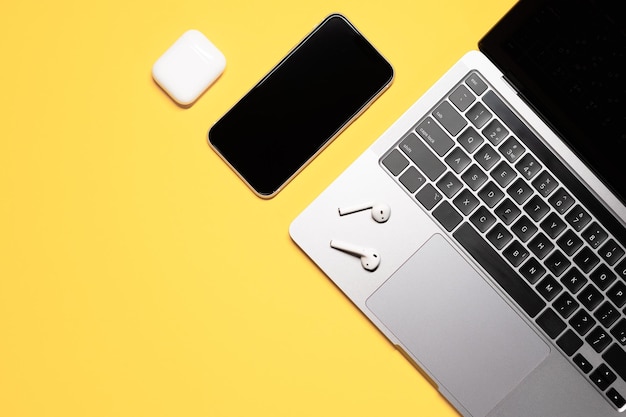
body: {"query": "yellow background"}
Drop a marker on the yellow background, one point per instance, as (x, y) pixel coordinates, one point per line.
(138, 275)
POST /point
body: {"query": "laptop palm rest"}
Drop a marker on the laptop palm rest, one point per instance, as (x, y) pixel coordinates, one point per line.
(480, 348)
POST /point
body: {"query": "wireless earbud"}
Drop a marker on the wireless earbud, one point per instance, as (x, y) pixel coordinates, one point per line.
(380, 211)
(369, 258)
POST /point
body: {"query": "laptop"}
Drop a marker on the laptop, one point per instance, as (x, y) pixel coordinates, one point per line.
(499, 270)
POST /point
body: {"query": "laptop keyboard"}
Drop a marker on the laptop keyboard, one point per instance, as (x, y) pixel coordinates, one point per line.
(516, 209)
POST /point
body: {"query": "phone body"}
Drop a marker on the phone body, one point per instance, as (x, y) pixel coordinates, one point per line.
(300, 106)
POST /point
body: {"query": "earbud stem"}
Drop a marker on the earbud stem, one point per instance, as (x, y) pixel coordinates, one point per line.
(354, 209)
(347, 247)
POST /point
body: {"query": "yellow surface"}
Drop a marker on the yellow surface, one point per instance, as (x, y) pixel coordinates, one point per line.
(138, 275)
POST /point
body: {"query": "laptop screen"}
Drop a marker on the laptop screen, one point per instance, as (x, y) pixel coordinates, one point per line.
(566, 57)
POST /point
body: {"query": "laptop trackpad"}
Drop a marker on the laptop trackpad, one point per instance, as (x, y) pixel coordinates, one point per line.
(457, 326)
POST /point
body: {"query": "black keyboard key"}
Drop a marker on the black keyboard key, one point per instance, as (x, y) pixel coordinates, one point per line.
(569, 342)
(611, 252)
(515, 253)
(434, 136)
(574, 280)
(499, 236)
(449, 118)
(503, 174)
(524, 229)
(590, 297)
(491, 194)
(428, 196)
(586, 259)
(501, 272)
(557, 263)
(616, 398)
(606, 373)
(602, 276)
(476, 83)
(507, 211)
(528, 166)
(615, 357)
(553, 225)
(617, 294)
(569, 242)
(395, 162)
(466, 202)
(594, 235)
(536, 208)
(598, 339)
(462, 97)
(482, 219)
(447, 216)
(478, 115)
(602, 377)
(520, 191)
(545, 184)
(607, 314)
(565, 305)
(449, 185)
(561, 201)
(470, 140)
(619, 332)
(582, 322)
(511, 149)
(412, 179)
(487, 157)
(474, 177)
(582, 363)
(549, 288)
(551, 323)
(578, 218)
(458, 160)
(423, 157)
(495, 132)
(532, 270)
(541, 246)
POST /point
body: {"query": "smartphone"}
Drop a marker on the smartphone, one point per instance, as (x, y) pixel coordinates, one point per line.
(300, 106)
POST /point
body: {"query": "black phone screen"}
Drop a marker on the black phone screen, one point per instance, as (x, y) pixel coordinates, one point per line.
(301, 105)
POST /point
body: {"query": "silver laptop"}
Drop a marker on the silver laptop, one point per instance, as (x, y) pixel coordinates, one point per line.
(498, 266)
